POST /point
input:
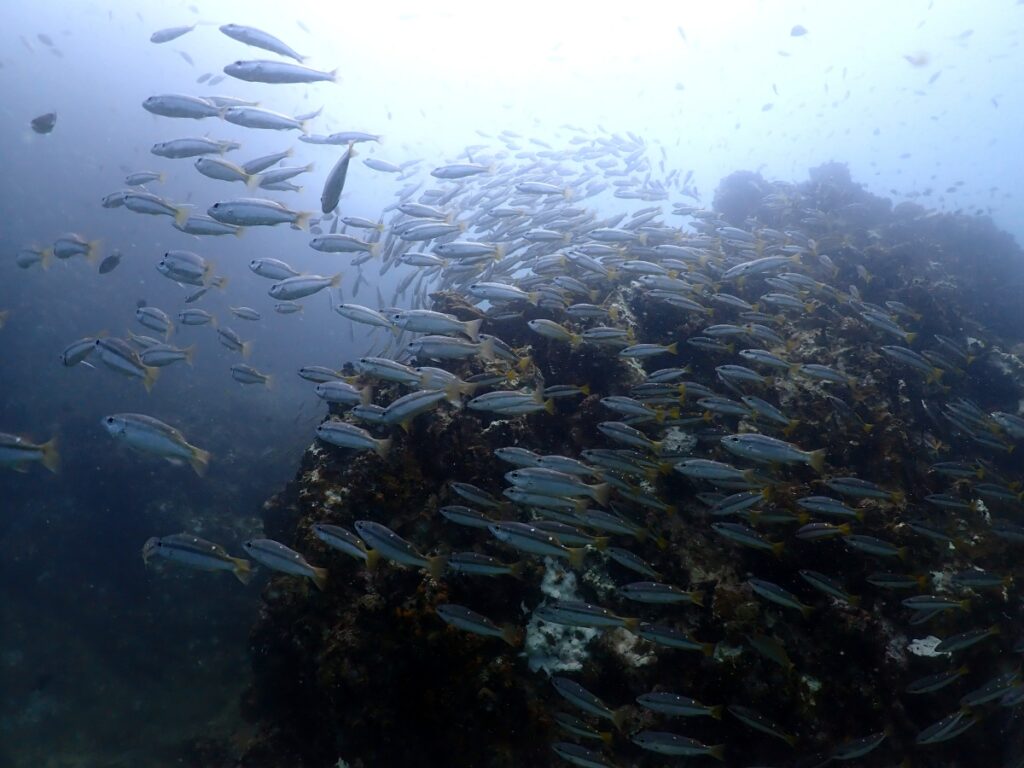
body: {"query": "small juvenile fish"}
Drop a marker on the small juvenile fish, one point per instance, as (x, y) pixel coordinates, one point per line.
(762, 448)
(935, 682)
(574, 613)
(779, 596)
(335, 183)
(278, 557)
(580, 756)
(580, 697)
(194, 552)
(121, 358)
(160, 355)
(659, 594)
(674, 705)
(665, 743)
(759, 722)
(170, 33)
(463, 618)
(259, 39)
(302, 285)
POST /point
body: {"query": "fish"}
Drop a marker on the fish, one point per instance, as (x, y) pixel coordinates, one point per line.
(263, 71)
(765, 449)
(345, 435)
(17, 453)
(44, 123)
(257, 38)
(109, 263)
(396, 549)
(470, 621)
(665, 743)
(149, 435)
(251, 212)
(580, 697)
(120, 358)
(181, 106)
(301, 286)
(335, 182)
(194, 552)
(246, 374)
(170, 33)
(277, 557)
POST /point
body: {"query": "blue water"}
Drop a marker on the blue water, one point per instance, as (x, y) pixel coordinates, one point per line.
(106, 662)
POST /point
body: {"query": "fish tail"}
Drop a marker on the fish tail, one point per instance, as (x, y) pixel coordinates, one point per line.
(436, 566)
(46, 258)
(600, 491)
(511, 635)
(549, 405)
(320, 578)
(372, 559)
(601, 543)
(51, 458)
(239, 231)
(453, 393)
(717, 752)
(673, 347)
(606, 737)
(817, 460)
(253, 180)
(220, 282)
(3, 317)
(613, 313)
(382, 447)
(697, 598)
(708, 649)
(190, 353)
(487, 349)
(576, 557)
(777, 548)
(200, 461)
(716, 712)
(366, 395)
(242, 570)
(302, 220)
(619, 718)
(150, 378)
(472, 328)
(516, 569)
(246, 349)
(181, 215)
(92, 253)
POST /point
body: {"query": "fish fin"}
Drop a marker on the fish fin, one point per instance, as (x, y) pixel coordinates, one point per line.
(51, 458)
(806, 610)
(777, 548)
(436, 566)
(601, 491)
(453, 393)
(673, 347)
(910, 337)
(320, 578)
(253, 180)
(549, 405)
(576, 557)
(220, 282)
(200, 461)
(717, 752)
(181, 213)
(601, 543)
(190, 353)
(716, 712)
(246, 349)
(697, 598)
(708, 649)
(817, 460)
(473, 328)
(382, 447)
(533, 297)
(516, 569)
(46, 259)
(302, 221)
(366, 395)
(243, 569)
(150, 378)
(239, 231)
(585, 389)
(606, 737)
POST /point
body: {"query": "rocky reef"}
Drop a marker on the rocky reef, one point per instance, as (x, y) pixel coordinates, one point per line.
(365, 671)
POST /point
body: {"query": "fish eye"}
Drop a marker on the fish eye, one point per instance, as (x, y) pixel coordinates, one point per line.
(110, 419)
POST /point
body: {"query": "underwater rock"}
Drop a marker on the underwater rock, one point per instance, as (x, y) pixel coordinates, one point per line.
(367, 672)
